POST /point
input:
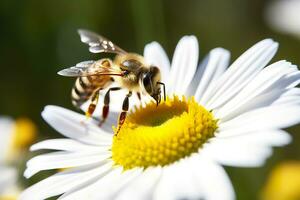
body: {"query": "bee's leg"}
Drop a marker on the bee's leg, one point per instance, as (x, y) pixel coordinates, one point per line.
(105, 109)
(93, 104)
(164, 89)
(123, 114)
(138, 94)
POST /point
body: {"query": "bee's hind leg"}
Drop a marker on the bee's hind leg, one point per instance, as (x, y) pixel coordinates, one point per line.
(93, 104)
(105, 109)
(123, 114)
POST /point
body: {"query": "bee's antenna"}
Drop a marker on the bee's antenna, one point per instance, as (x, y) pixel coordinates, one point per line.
(164, 88)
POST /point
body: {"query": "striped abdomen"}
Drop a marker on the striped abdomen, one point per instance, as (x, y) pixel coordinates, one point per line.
(85, 87)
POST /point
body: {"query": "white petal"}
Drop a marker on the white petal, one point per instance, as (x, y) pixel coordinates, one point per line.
(270, 79)
(289, 81)
(282, 16)
(65, 145)
(104, 188)
(212, 177)
(59, 160)
(176, 182)
(184, 65)
(194, 178)
(65, 181)
(263, 137)
(275, 97)
(75, 126)
(155, 55)
(136, 190)
(240, 154)
(277, 116)
(245, 149)
(241, 72)
(290, 96)
(208, 72)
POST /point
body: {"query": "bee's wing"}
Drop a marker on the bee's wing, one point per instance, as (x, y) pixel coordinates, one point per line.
(90, 68)
(98, 43)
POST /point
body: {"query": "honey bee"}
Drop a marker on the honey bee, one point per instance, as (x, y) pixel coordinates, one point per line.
(128, 70)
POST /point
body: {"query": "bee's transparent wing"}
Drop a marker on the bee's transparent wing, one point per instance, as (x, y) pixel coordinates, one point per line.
(90, 68)
(98, 43)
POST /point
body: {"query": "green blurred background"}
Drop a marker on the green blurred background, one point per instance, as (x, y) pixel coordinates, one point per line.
(38, 38)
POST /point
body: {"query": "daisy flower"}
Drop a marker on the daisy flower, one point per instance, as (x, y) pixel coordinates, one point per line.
(14, 137)
(214, 115)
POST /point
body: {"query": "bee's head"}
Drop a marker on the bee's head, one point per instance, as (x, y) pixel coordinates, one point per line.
(150, 81)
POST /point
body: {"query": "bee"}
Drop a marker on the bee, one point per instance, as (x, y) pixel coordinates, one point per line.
(128, 70)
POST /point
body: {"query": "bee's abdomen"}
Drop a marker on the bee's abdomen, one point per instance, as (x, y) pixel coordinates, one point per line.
(82, 91)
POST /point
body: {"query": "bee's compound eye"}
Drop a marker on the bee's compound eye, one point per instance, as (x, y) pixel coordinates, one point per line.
(126, 72)
(146, 80)
(147, 83)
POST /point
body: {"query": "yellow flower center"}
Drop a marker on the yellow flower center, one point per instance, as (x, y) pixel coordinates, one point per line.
(160, 135)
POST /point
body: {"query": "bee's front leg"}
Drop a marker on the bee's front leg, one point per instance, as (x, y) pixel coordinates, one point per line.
(138, 94)
(123, 114)
(105, 109)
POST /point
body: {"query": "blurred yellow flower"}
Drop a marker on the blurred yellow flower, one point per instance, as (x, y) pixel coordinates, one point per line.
(283, 182)
(23, 135)
(15, 137)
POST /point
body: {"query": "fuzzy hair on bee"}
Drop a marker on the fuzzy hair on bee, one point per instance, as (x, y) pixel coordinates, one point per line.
(128, 70)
